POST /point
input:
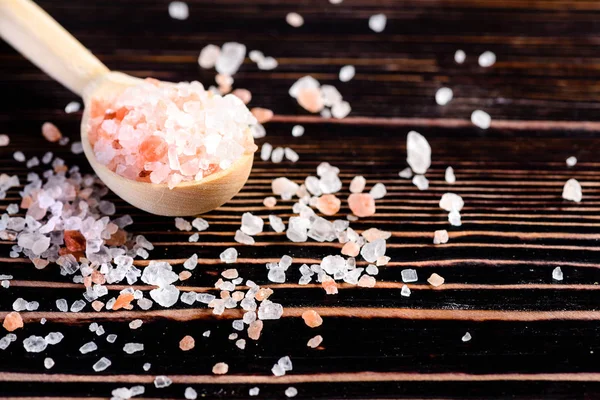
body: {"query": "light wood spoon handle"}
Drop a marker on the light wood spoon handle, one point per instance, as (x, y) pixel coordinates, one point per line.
(36, 35)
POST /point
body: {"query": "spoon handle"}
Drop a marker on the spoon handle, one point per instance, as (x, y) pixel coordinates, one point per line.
(36, 35)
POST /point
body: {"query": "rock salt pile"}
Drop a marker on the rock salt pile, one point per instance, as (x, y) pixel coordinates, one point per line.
(315, 98)
(169, 133)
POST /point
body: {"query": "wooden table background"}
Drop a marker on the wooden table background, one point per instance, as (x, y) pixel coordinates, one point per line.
(532, 336)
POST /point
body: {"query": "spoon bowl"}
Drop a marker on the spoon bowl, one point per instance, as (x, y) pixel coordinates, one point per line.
(35, 34)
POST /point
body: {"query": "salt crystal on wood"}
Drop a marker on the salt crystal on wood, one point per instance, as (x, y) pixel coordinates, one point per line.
(229, 256)
(409, 275)
(377, 22)
(378, 191)
(297, 130)
(406, 173)
(572, 191)
(312, 318)
(294, 19)
(460, 56)
(449, 175)
(72, 107)
(162, 381)
(208, 56)
(178, 10)
(101, 364)
(265, 151)
(347, 73)
(405, 291)
(48, 363)
(435, 280)
(187, 343)
(220, 368)
(190, 394)
(315, 341)
(557, 274)
(357, 185)
(418, 152)
(4, 140)
(291, 391)
(571, 161)
(254, 391)
(440, 237)
(481, 119)
(487, 59)
(466, 337)
(51, 132)
(443, 96)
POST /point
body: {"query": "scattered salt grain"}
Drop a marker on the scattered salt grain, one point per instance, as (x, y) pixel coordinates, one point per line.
(460, 56)
(315, 341)
(76, 148)
(54, 338)
(179, 10)
(378, 191)
(194, 237)
(487, 59)
(405, 291)
(294, 19)
(72, 107)
(190, 394)
(270, 202)
(262, 115)
(406, 173)
(208, 56)
(251, 224)
(48, 363)
(418, 152)
(182, 224)
(557, 274)
(35, 344)
(101, 364)
(449, 175)
(12, 321)
(240, 344)
(77, 305)
(466, 337)
(191, 262)
(146, 366)
(276, 223)
(200, 224)
(312, 318)
(265, 151)
(131, 348)
(291, 155)
(254, 391)
(481, 119)
(377, 22)
(206, 333)
(347, 73)
(135, 324)
(341, 110)
(88, 348)
(571, 161)
(162, 381)
(277, 155)
(366, 281)
(111, 338)
(291, 391)
(51, 132)
(297, 130)
(229, 256)
(443, 96)
(572, 191)
(269, 310)
(357, 185)
(440, 237)
(277, 370)
(4, 140)
(187, 343)
(435, 280)
(220, 368)
(362, 204)
(19, 156)
(409, 275)
(451, 202)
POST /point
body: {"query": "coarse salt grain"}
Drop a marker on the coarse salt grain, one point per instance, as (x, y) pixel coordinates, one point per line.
(254, 391)
(162, 381)
(208, 56)
(270, 202)
(220, 368)
(418, 152)
(571, 161)
(190, 394)
(4, 140)
(291, 391)
(487, 59)
(294, 19)
(466, 337)
(449, 175)
(315, 342)
(460, 56)
(347, 73)
(187, 343)
(12, 321)
(377, 22)
(435, 280)
(72, 107)
(48, 363)
(572, 191)
(481, 119)
(179, 10)
(440, 237)
(405, 291)
(312, 318)
(297, 130)
(362, 204)
(51, 132)
(357, 185)
(557, 274)
(378, 191)
(443, 96)
(101, 364)
(409, 275)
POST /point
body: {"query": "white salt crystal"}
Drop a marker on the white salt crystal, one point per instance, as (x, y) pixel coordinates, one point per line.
(557, 274)
(47, 157)
(12, 209)
(377, 22)
(294, 19)
(256, 55)
(466, 337)
(372, 269)
(194, 237)
(372, 251)
(347, 73)
(269, 310)
(460, 56)
(276, 223)
(443, 96)
(409, 275)
(4, 140)
(19, 156)
(77, 305)
(277, 155)
(131, 348)
(165, 296)
(572, 191)
(251, 224)
(190, 394)
(54, 337)
(341, 110)
(242, 238)
(191, 262)
(179, 10)
(258, 131)
(136, 323)
(277, 370)
(406, 173)
(208, 56)
(43, 321)
(291, 154)
(206, 333)
(571, 161)
(72, 107)
(454, 218)
(182, 224)
(418, 152)
(34, 344)
(200, 224)
(357, 185)
(48, 363)
(20, 304)
(267, 64)
(420, 182)
(291, 391)
(487, 59)
(111, 338)
(188, 298)
(88, 348)
(229, 256)
(378, 191)
(147, 366)
(265, 151)
(231, 58)
(5, 284)
(306, 82)
(284, 187)
(76, 148)
(440, 237)
(405, 291)
(297, 130)
(101, 364)
(254, 391)
(162, 381)
(481, 119)
(451, 201)
(449, 175)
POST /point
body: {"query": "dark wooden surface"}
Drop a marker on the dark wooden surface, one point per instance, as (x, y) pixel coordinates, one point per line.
(532, 337)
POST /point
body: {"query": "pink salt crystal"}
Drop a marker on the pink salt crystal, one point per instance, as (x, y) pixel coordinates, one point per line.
(238, 296)
(329, 204)
(51, 132)
(366, 281)
(315, 342)
(97, 305)
(123, 300)
(310, 99)
(383, 260)
(435, 280)
(230, 274)
(373, 234)
(312, 318)
(12, 321)
(188, 343)
(262, 115)
(224, 294)
(243, 94)
(329, 285)
(440, 237)
(74, 241)
(270, 202)
(4, 140)
(263, 294)
(40, 263)
(185, 275)
(220, 368)
(361, 204)
(255, 329)
(351, 249)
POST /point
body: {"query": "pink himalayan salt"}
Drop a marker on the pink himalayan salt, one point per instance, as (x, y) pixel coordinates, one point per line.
(312, 318)
(230, 273)
(329, 285)
(372, 234)
(263, 294)
(361, 204)
(187, 343)
(255, 329)
(315, 342)
(366, 281)
(350, 249)
(243, 94)
(310, 99)
(12, 321)
(435, 280)
(220, 368)
(328, 204)
(51, 132)
(40, 263)
(185, 275)
(270, 202)
(224, 82)
(97, 305)
(262, 115)
(169, 133)
(382, 260)
(238, 295)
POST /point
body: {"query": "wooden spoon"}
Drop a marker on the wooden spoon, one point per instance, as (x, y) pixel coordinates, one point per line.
(37, 36)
